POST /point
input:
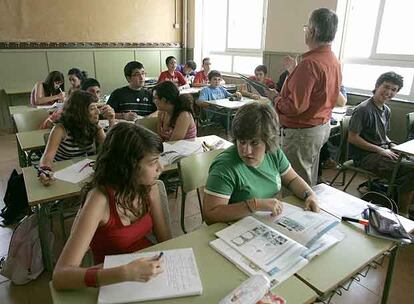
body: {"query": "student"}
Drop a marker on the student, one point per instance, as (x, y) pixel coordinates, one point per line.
(187, 69)
(76, 78)
(370, 147)
(260, 73)
(176, 116)
(121, 205)
(201, 77)
(49, 91)
(215, 91)
(75, 134)
(133, 100)
(246, 177)
(90, 85)
(172, 75)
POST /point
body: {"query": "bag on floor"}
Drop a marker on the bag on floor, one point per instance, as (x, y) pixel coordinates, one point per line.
(24, 260)
(15, 199)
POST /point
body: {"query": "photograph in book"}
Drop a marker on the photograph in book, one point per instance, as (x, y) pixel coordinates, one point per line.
(180, 278)
(305, 227)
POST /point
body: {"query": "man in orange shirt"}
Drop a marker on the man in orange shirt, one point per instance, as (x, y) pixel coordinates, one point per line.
(305, 103)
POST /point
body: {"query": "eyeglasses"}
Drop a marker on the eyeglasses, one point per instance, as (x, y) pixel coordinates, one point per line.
(305, 27)
(139, 74)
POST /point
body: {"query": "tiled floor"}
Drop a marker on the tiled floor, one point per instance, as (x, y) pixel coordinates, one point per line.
(368, 290)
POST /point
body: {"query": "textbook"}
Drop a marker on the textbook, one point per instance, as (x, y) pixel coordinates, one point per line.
(180, 278)
(259, 87)
(280, 246)
(174, 152)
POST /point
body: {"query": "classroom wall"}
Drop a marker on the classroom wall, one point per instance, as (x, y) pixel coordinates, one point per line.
(284, 30)
(92, 20)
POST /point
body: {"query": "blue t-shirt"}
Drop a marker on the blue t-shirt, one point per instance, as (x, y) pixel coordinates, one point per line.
(209, 93)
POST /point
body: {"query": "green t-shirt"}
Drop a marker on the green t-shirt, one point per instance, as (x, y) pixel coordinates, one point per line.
(229, 177)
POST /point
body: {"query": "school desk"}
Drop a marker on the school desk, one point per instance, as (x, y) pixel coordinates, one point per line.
(218, 275)
(404, 150)
(29, 142)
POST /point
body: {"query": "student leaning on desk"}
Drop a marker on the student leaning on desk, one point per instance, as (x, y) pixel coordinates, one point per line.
(247, 176)
(121, 205)
(75, 133)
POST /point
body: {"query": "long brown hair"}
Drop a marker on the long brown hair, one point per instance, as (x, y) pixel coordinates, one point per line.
(75, 117)
(117, 165)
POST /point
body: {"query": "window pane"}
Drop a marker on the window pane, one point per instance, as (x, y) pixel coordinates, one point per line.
(360, 76)
(397, 21)
(221, 63)
(214, 26)
(246, 64)
(360, 28)
(245, 24)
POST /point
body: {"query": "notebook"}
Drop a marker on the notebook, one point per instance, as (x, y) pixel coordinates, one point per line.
(180, 278)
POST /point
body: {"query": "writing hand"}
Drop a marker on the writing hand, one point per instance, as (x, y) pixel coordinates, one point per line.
(46, 178)
(143, 269)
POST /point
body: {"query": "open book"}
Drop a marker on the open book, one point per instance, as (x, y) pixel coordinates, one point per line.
(277, 247)
(180, 278)
(77, 172)
(259, 87)
(173, 152)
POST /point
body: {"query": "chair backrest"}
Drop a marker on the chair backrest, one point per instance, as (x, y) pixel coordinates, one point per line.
(30, 121)
(410, 125)
(193, 169)
(46, 137)
(380, 199)
(149, 123)
(343, 156)
(164, 202)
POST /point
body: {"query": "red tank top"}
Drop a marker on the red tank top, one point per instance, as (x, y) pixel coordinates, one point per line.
(116, 238)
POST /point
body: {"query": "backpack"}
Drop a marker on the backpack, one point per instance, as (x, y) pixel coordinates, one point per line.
(15, 199)
(24, 259)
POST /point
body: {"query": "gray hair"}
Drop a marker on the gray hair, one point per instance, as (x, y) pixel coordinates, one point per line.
(325, 23)
(256, 120)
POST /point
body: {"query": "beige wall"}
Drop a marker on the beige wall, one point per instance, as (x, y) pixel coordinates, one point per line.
(285, 20)
(90, 21)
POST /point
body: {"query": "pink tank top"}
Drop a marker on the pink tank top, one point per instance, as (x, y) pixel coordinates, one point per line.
(116, 238)
(167, 131)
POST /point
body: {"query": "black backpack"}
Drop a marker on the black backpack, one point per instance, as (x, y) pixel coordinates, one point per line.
(15, 200)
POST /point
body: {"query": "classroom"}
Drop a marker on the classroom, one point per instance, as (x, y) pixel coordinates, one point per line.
(206, 151)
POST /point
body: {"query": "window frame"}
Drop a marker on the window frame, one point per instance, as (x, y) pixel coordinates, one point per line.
(253, 52)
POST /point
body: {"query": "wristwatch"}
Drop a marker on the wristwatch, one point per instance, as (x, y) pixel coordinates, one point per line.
(306, 194)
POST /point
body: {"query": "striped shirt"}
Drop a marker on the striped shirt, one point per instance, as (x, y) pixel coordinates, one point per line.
(69, 149)
(126, 99)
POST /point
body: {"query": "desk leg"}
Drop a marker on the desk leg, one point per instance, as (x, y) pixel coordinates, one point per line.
(394, 176)
(43, 213)
(390, 272)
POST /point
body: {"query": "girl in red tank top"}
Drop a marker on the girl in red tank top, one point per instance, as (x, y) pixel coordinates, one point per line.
(121, 208)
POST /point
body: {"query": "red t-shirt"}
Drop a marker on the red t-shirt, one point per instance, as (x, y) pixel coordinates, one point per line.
(116, 238)
(267, 81)
(177, 78)
(200, 77)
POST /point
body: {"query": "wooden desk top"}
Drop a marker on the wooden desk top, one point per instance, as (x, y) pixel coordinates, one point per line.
(218, 275)
(406, 148)
(31, 140)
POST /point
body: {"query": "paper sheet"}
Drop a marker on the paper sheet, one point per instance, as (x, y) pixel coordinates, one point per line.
(76, 172)
(180, 278)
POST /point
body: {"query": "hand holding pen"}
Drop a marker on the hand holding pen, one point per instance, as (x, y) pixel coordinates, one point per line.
(45, 175)
(61, 95)
(144, 269)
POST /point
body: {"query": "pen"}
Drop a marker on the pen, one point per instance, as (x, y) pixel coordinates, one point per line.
(84, 166)
(160, 255)
(355, 220)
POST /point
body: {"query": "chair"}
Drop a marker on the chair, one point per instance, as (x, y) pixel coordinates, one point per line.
(410, 125)
(150, 123)
(30, 121)
(348, 165)
(193, 172)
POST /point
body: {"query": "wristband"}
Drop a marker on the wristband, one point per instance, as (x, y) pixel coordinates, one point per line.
(91, 277)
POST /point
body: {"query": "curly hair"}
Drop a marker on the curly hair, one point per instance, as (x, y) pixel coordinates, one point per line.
(391, 77)
(118, 165)
(75, 117)
(255, 120)
(181, 103)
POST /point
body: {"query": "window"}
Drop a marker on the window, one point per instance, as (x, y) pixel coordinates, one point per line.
(377, 40)
(233, 44)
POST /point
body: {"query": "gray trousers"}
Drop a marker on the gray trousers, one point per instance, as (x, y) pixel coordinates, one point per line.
(302, 148)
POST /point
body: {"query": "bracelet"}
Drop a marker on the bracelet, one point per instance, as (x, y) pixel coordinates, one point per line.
(91, 277)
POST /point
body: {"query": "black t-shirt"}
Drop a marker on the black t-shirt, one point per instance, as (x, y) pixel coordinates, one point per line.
(126, 99)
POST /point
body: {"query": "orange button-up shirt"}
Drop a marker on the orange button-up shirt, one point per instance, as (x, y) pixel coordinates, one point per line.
(311, 90)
